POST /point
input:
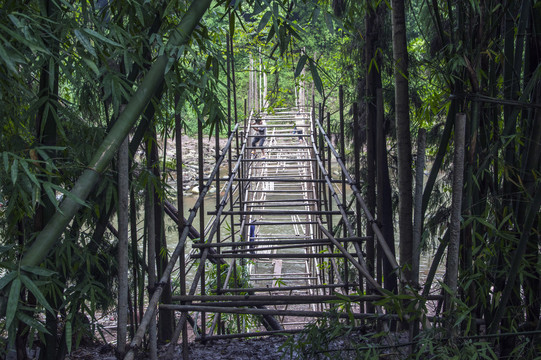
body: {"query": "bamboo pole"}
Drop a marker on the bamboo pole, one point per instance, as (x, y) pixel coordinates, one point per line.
(181, 224)
(273, 256)
(151, 265)
(52, 233)
(323, 241)
(123, 198)
(417, 223)
(276, 312)
(285, 288)
(451, 277)
(231, 299)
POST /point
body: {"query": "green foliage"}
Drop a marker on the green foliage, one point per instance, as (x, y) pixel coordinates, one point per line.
(329, 337)
(240, 278)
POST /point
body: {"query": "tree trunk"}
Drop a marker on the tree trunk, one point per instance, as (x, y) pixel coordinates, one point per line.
(123, 198)
(165, 319)
(418, 224)
(385, 202)
(150, 226)
(400, 57)
(370, 95)
(46, 129)
(532, 165)
(180, 219)
(451, 278)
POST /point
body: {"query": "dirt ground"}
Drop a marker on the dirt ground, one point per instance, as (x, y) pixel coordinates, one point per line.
(246, 349)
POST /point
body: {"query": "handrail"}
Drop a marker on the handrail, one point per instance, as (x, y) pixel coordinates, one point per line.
(360, 264)
(368, 214)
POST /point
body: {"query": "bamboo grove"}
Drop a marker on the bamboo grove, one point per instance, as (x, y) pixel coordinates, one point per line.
(423, 80)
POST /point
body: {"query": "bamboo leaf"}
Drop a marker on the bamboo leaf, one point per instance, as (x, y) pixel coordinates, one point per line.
(486, 224)
(108, 197)
(5, 248)
(13, 301)
(271, 34)
(101, 37)
(69, 194)
(92, 65)
(232, 23)
(50, 193)
(7, 59)
(315, 16)
(33, 323)
(264, 21)
(85, 42)
(315, 76)
(69, 336)
(38, 270)
(6, 279)
(32, 177)
(300, 65)
(329, 22)
(14, 170)
(37, 293)
(6, 161)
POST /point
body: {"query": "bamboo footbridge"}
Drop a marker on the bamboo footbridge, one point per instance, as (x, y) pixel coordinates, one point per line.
(283, 243)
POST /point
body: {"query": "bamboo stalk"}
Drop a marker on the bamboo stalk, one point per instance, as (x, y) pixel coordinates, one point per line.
(417, 221)
(52, 233)
(454, 227)
(273, 312)
(279, 242)
(273, 256)
(269, 298)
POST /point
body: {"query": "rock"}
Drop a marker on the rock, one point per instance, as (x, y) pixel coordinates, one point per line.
(195, 190)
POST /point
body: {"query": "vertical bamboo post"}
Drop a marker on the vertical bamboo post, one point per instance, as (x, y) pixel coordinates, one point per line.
(229, 151)
(321, 192)
(451, 278)
(357, 171)
(330, 222)
(201, 215)
(329, 167)
(250, 84)
(342, 152)
(417, 221)
(180, 224)
(260, 92)
(218, 230)
(153, 331)
(342, 147)
(123, 195)
(234, 85)
(137, 276)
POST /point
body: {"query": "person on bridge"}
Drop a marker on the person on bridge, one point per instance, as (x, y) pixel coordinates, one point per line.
(260, 129)
(298, 126)
(252, 235)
